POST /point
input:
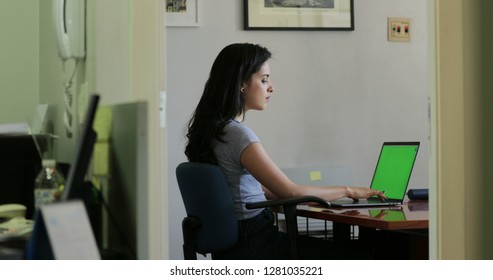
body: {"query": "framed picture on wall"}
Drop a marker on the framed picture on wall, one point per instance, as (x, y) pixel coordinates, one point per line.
(298, 14)
(182, 13)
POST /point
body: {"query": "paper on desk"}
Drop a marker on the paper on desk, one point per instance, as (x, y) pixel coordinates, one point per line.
(315, 176)
(70, 233)
(24, 128)
(38, 122)
(14, 129)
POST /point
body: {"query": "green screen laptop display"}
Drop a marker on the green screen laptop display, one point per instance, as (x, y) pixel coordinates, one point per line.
(394, 169)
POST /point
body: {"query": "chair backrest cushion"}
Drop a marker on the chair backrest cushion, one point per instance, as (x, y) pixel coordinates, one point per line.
(206, 196)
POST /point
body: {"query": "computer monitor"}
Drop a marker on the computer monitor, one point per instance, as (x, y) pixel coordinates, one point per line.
(75, 187)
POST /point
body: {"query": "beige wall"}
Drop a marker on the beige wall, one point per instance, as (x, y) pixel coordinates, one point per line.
(19, 60)
(52, 84)
(30, 71)
(464, 124)
(125, 62)
(148, 82)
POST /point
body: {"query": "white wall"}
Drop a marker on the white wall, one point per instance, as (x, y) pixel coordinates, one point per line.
(338, 96)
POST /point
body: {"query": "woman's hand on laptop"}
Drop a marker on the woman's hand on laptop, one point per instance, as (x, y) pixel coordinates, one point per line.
(357, 193)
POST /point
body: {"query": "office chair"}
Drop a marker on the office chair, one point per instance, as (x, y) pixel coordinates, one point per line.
(211, 225)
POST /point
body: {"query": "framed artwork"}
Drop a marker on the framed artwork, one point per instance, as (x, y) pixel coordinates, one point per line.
(182, 13)
(298, 14)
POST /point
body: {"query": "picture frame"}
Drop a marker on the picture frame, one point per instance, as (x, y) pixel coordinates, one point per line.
(299, 15)
(182, 13)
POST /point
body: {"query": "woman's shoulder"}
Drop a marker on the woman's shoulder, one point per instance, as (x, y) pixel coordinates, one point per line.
(235, 128)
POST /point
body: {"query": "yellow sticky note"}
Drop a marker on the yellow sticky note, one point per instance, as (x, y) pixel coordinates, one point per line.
(315, 176)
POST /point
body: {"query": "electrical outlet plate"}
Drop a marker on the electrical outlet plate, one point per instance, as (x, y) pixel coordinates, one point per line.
(399, 29)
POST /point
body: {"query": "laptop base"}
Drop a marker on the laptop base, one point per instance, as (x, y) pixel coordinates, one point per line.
(376, 202)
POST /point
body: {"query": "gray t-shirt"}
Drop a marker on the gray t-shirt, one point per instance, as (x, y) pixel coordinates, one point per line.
(242, 185)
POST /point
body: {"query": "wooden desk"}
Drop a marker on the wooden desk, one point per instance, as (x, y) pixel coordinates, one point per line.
(410, 215)
(404, 228)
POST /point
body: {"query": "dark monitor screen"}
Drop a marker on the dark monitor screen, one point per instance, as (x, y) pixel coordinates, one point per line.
(75, 185)
(39, 246)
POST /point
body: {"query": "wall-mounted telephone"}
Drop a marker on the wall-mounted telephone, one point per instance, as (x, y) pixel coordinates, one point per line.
(69, 21)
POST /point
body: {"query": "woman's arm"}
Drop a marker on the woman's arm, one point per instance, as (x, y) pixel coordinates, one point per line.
(256, 160)
(268, 194)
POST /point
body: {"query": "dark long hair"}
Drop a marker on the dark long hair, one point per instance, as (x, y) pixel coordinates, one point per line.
(222, 100)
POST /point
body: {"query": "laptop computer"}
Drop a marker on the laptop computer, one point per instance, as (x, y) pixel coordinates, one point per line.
(392, 175)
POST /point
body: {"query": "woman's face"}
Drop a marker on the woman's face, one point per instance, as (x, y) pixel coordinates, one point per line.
(258, 89)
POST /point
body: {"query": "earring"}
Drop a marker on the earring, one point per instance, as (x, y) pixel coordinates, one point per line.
(242, 90)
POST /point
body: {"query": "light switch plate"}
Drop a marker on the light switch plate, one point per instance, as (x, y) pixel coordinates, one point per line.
(399, 29)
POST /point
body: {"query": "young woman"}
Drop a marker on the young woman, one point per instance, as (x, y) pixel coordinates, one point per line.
(240, 81)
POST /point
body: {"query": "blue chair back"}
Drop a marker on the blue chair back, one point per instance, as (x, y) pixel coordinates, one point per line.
(206, 196)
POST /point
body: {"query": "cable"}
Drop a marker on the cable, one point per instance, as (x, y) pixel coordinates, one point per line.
(68, 100)
(113, 220)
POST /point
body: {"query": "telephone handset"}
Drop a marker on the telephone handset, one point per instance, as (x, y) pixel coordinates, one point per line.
(69, 23)
(12, 210)
(12, 221)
